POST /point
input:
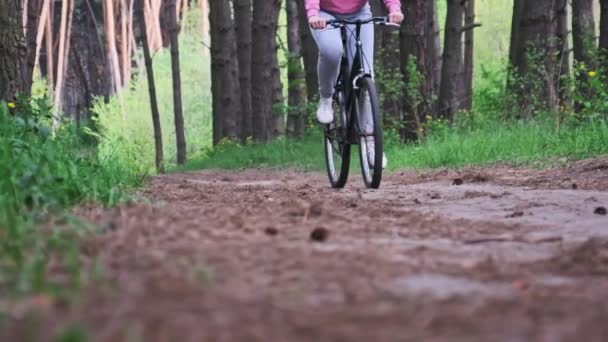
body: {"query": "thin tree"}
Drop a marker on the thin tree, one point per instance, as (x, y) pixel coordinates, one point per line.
(224, 72)
(435, 59)
(265, 23)
(49, 44)
(296, 116)
(34, 9)
(563, 53)
(452, 80)
(603, 44)
(242, 18)
(62, 55)
(110, 32)
(310, 55)
(13, 51)
(469, 47)
(278, 117)
(177, 84)
(158, 136)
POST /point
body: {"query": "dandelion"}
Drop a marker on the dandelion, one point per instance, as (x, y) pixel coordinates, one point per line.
(592, 73)
(12, 105)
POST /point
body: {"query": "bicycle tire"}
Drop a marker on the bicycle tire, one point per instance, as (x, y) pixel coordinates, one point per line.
(337, 147)
(372, 175)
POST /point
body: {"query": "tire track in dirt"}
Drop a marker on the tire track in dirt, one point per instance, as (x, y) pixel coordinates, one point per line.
(505, 255)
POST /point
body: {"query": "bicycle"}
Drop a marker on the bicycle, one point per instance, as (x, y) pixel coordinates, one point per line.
(353, 89)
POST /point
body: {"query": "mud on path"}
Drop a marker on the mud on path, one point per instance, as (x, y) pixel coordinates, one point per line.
(488, 254)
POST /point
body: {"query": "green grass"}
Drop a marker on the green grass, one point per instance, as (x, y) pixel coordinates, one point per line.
(516, 143)
(42, 175)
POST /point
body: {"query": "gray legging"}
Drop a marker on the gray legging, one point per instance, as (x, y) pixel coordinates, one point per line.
(330, 52)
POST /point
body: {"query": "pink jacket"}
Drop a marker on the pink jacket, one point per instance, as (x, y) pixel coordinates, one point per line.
(345, 6)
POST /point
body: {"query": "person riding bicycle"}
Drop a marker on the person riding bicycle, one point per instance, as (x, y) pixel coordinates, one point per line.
(330, 49)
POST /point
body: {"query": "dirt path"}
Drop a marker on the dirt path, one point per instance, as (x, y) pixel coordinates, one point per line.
(493, 254)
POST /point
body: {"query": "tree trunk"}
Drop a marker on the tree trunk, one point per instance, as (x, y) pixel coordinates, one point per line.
(415, 67)
(378, 9)
(62, 57)
(265, 22)
(310, 55)
(584, 44)
(33, 16)
(48, 29)
(563, 54)
(224, 72)
(158, 137)
(452, 80)
(278, 106)
(435, 59)
(296, 116)
(469, 41)
(242, 17)
(180, 136)
(603, 45)
(13, 51)
(110, 31)
(583, 32)
(514, 47)
(533, 56)
(88, 74)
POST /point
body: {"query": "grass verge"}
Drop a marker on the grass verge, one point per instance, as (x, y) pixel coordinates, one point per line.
(515, 143)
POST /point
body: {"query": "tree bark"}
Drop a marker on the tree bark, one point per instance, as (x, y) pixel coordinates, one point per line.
(469, 49)
(603, 44)
(563, 54)
(62, 57)
(452, 80)
(224, 72)
(158, 137)
(533, 56)
(310, 55)
(88, 74)
(435, 59)
(278, 118)
(31, 32)
(418, 82)
(180, 136)
(296, 116)
(13, 51)
(583, 32)
(110, 31)
(265, 22)
(242, 16)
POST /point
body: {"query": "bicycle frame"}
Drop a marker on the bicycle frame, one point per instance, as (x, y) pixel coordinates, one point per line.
(356, 72)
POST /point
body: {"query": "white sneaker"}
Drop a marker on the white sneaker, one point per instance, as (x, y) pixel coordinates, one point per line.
(371, 153)
(325, 113)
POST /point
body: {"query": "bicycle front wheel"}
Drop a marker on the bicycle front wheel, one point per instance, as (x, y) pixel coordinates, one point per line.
(337, 148)
(371, 137)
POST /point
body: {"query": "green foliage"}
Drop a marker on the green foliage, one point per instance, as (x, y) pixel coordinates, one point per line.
(40, 175)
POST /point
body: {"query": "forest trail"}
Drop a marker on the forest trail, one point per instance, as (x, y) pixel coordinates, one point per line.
(482, 254)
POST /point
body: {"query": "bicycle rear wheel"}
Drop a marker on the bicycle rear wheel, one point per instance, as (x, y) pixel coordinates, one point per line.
(337, 148)
(367, 99)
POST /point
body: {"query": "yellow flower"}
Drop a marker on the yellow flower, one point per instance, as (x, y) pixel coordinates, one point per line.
(592, 73)
(11, 105)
